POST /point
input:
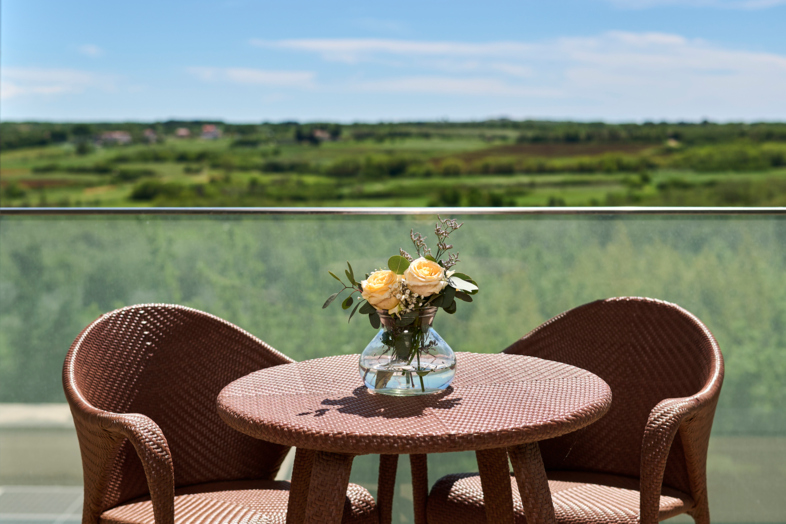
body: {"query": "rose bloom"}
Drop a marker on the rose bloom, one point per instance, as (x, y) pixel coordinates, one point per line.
(380, 289)
(425, 277)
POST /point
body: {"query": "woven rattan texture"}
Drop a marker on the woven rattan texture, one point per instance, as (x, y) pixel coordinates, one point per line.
(665, 370)
(578, 498)
(142, 382)
(495, 401)
(243, 502)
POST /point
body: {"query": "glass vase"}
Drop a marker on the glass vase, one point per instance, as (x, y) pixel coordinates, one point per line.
(407, 356)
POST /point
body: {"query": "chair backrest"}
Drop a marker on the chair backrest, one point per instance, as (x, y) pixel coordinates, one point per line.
(169, 363)
(647, 351)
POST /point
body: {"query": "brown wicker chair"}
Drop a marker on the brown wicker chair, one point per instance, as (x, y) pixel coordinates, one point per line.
(142, 384)
(645, 460)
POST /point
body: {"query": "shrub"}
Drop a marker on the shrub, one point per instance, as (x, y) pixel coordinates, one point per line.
(285, 166)
(451, 167)
(420, 171)
(128, 175)
(46, 168)
(344, 168)
(151, 189)
(83, 148)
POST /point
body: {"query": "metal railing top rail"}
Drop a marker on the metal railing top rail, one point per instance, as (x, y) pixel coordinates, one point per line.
(75, 211)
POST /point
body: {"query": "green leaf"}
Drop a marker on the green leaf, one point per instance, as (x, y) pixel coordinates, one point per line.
(330, 299)
(438, 301)
(374, 319)
(463, 296)
(353, 312)
(383, 377)
(351, 273)
(462, 285)
(367, 309)
(347, 303)
(429, 257)
(449, 292)
(334, 276)
(405, 320)
(451, 308)
(422, 374)
(403, 346)
(350, 278)
(462, 276)
(398, 264)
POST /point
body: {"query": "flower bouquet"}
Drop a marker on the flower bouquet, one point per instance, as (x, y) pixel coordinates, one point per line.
(407, 356)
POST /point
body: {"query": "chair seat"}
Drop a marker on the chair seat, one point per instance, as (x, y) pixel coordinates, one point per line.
(578, 497)
(237, 502)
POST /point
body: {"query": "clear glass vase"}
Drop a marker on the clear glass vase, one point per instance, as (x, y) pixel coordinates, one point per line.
(407, 357)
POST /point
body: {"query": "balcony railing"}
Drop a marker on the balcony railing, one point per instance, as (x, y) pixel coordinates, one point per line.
(266, 271)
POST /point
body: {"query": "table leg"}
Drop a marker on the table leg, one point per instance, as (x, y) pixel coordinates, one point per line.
(298, 490)
(329, 481)
(386, 486)
(419, 467)
(495, 480)
(533, 484)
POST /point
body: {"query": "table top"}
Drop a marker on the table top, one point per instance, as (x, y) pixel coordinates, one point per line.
(496, 400)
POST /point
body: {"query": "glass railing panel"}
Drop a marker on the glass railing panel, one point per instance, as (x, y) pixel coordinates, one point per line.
(268, 274)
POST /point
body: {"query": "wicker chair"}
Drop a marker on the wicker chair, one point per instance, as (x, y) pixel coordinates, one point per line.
(645, 461)
(142, 384)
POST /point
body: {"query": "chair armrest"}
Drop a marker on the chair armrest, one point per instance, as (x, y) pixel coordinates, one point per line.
(153, 451)
(663, 424)
(151, 446)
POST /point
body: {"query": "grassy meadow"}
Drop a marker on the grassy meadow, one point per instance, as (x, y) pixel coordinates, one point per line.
(497, 163)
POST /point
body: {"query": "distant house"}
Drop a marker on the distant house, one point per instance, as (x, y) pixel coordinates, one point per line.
(182, 132)
(115, 138)
(321, 134)
(150, 135)
(210, 132)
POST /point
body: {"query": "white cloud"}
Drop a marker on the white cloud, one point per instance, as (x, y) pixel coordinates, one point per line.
(22, 81)
(91, 50)
(720, 4)
(352, 50)
(649, 73)
(379, 26)
(451, 86)
(262, 77)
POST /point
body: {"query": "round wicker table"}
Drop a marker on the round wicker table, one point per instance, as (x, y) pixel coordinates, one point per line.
(499, 405)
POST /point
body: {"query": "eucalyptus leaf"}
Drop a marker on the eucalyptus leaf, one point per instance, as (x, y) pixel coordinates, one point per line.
(367, 308)
(449, 293)
(374, 319)
(463, 296)
(437, 302)
(330, 299)
(334, 276)
(405, 320)
(351, 273)
(383, 377)
(347, 303)
(398, 264)
(462, 285)
(403, 346)
(350, 278)
(451, 308)
(353, 312)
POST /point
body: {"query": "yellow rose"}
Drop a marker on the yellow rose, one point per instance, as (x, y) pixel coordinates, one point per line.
(380, 289)
(425, 277)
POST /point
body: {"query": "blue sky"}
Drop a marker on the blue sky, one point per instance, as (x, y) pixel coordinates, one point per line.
(253, 61)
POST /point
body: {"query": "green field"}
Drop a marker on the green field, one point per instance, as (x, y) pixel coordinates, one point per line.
(473, 164)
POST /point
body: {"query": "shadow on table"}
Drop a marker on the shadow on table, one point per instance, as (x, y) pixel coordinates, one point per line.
(365, 404)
